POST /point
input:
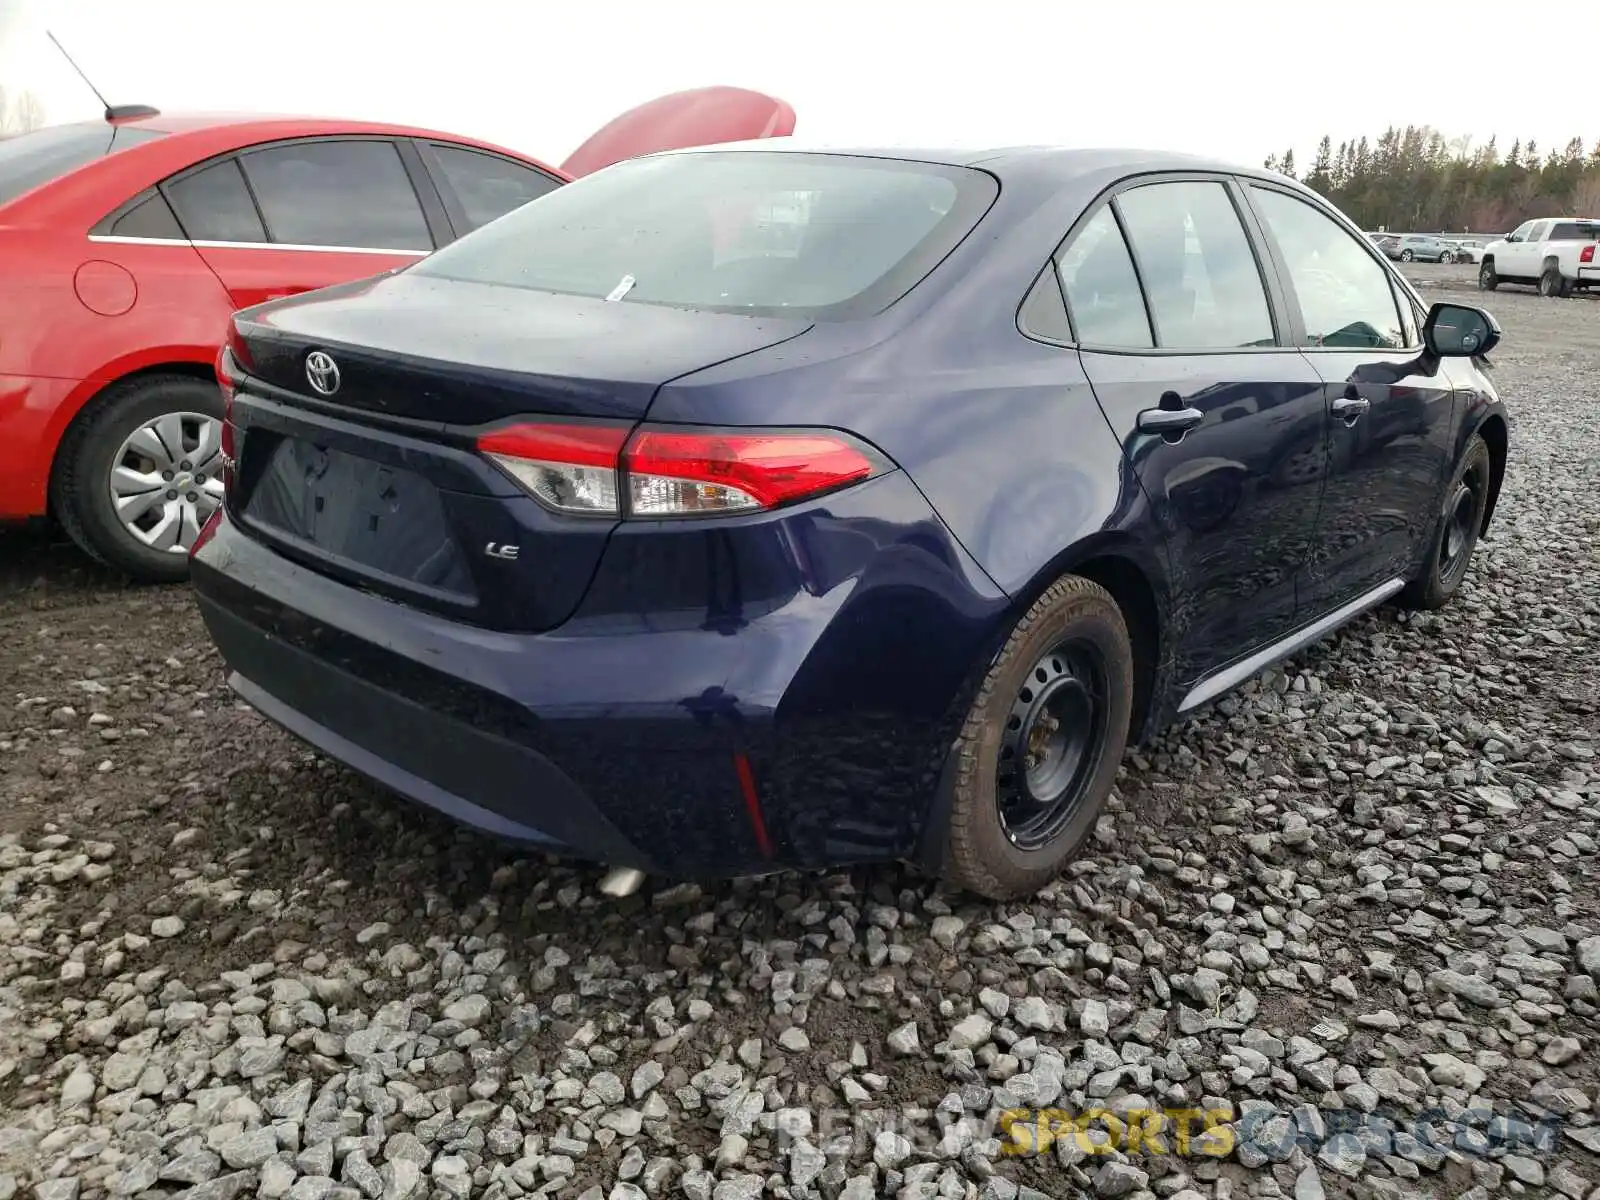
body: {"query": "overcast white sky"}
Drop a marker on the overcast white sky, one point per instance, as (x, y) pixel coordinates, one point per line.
(1234, 78)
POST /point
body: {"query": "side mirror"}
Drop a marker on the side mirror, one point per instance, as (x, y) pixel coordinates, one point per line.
(1511, 237)
(1459, 331)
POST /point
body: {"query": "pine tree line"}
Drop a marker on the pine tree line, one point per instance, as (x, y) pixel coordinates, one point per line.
(1416, 180)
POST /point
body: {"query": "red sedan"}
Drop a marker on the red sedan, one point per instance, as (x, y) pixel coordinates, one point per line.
(128, 243)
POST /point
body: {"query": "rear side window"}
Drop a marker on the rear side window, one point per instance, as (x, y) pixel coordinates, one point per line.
(1198, 270)
(486, 185)
(215, 206)
(1102, 288)
(353, 194)
(1574, 231)
(34, 159)
(150, 218)
(763, 233)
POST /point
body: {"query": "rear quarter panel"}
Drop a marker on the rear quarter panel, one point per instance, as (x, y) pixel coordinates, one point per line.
(76, 315)
(1003, 437)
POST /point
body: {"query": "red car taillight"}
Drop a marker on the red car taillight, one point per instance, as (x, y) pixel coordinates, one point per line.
(570, 468)
(233, 360)
(1586, 255)
(676, 472)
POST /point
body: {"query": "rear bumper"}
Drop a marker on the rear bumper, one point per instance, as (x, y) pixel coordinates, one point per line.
(624, 735)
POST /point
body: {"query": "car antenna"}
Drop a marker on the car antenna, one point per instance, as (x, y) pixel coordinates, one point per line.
(113, 112)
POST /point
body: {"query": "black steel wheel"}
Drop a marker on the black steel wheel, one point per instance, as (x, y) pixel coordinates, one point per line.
(1456, 532)
(1041, 746)
(1053, 739)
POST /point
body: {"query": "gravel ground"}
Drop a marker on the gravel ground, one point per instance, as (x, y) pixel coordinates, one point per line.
(1362, 891)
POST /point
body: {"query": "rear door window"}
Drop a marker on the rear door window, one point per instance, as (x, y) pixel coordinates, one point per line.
(349, 194)
(1102, 288)
(31, 160)
(486, 186)
(1197, 266)
(215, 206)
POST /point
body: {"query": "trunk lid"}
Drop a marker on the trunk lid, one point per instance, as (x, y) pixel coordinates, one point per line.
(446, 352)
(373, 477)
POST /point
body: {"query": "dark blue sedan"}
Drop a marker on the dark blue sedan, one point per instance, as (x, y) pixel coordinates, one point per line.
(738, 509)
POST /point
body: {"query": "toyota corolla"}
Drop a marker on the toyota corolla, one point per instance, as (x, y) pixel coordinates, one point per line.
(740, 509)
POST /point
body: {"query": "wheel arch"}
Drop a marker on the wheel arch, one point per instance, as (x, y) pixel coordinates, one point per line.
(1497, 437)
(85, 411)
(1135, 576)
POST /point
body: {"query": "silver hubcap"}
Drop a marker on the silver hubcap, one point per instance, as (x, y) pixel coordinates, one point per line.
(166, 480)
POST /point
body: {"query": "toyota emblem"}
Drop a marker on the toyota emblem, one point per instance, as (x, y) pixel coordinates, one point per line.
(322, 373)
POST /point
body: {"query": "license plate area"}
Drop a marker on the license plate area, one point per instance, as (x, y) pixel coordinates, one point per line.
(357, 512)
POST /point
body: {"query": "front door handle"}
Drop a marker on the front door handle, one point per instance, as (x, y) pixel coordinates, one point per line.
(1349, 408)
(1170, 422)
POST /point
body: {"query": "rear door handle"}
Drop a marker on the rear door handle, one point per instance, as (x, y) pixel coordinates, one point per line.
(1349, 408)
(1170, 421)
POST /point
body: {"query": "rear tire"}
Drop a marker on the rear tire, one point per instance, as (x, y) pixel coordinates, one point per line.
(1550, 283)
(1455, 532)
(97, 443)
(1487, 279)
(1041, 746)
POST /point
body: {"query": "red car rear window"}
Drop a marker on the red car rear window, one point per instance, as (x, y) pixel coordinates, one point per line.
(37, 158)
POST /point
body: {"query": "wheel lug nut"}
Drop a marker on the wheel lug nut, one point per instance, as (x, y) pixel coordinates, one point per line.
(172, 495)
(167, 475)
(184, 465)
(199, 478)
(192, 497)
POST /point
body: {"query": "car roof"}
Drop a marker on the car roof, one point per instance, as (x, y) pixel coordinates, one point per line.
(1033, 160)
(253, 125)
(186, 139)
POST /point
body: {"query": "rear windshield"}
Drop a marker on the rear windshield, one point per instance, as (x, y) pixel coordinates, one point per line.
(813, 236)
(1575, 231)
(44, 155)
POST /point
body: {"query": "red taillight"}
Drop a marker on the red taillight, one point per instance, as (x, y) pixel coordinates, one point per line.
(1586, 255)
(570, 468)
(679, 472)
(233, 361)
(207, 532)
(675, 472)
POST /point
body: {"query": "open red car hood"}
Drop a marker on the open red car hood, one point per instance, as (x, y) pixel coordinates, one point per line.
(699, 117)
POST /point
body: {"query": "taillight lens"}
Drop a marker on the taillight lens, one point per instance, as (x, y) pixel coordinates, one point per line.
(207, 532)
(1586, 255)
(233, 363)
(570, 468)
(228, 382)
(676, 472)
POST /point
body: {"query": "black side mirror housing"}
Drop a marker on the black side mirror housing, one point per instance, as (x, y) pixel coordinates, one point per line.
(1459, 331)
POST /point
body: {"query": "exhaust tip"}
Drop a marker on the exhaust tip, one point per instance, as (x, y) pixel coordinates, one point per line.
(620, 882)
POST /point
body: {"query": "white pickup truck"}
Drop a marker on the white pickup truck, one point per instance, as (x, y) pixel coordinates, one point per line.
(1558, 255)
